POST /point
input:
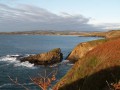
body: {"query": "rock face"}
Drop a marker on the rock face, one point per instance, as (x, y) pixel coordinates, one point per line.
(81, 49)
(47, 58)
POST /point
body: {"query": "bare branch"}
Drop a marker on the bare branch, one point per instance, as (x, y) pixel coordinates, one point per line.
(36, 83)
(40, 76)
(17, 83)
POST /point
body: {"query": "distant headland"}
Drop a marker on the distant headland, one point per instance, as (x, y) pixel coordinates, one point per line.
(107, 34)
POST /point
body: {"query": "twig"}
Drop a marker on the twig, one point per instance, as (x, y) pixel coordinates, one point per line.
(36, 83)
(108, 84)
(17, 83)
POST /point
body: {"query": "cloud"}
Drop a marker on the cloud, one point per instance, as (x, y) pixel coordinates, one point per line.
(27, 18)
(110, 26)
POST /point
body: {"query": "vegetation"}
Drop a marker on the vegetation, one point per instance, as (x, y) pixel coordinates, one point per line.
(43, 82)
(99, 69)
(91, 72)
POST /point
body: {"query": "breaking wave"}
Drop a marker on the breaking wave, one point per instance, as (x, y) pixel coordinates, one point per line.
(14, 59)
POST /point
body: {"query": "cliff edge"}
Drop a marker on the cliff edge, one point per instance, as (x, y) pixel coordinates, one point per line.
(96, 70)
(82, 48)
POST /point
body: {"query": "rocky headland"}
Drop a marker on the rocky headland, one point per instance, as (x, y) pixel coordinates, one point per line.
(97, 65)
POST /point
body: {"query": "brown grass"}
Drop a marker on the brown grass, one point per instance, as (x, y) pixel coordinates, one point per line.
(98, 66)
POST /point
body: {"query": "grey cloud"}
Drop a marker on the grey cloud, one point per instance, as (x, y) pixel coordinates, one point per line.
(26, 17)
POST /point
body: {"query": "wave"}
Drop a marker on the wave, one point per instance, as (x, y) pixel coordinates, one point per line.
(66, 62)
(26, 64)
(4, 85)
(9, 84)
(14, 59)
(4, 65)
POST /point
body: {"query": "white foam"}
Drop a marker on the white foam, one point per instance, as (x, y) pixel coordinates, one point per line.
(16, 55)
(13, 59)
(65, 61)
(7, 58)
(54, 65)
(26, 64)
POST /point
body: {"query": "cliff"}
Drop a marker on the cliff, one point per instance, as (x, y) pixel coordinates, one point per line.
(82, 48)
(96, 70)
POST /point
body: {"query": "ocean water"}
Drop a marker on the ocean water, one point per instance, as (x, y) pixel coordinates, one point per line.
(14, 46)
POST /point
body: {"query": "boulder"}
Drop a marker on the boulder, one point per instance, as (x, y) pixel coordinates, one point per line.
(47, 58)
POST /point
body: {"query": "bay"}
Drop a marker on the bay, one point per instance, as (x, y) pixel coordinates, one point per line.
(13, 46)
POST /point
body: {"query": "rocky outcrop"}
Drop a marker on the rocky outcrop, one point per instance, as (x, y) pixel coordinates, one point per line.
(50, 57)
(81, 49)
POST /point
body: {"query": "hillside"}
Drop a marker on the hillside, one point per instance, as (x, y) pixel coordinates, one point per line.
(41, 32)
(108, 34)
(96, 70)
(82, 48)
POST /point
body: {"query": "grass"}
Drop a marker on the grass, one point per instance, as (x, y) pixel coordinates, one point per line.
(92, 71)
(82, 48)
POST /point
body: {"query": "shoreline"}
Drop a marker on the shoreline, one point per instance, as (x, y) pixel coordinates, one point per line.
(107, 34)
(54, 33)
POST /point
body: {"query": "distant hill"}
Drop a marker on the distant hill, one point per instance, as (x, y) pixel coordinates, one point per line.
(108, 34)
(43, 33)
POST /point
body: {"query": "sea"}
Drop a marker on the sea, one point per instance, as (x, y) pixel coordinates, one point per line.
(12, 47)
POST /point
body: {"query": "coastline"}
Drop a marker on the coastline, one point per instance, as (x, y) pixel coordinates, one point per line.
(95, 53)
(107, 34)
(53, 33)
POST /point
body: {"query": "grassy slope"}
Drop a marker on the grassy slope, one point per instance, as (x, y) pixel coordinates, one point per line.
(108, 34)
(91, 72)
(82, 48)
(113, 33)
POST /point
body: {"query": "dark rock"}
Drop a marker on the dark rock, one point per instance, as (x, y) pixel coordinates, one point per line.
(47, 58)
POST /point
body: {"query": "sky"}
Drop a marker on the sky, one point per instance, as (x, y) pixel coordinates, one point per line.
(59, 15)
